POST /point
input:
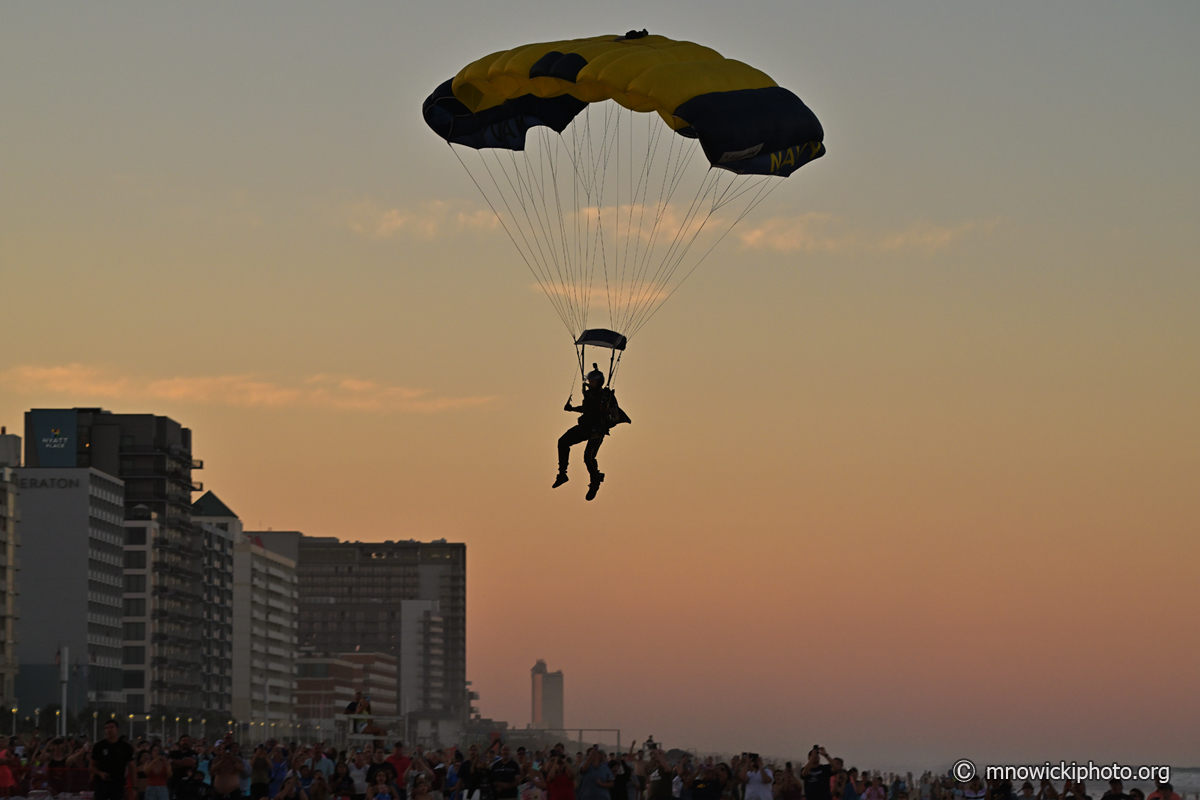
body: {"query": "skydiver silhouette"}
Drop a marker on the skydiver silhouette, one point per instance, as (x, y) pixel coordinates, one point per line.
(598, 413)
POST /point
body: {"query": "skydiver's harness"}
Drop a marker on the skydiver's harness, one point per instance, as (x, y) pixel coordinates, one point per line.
(599, 420)
(600, 410)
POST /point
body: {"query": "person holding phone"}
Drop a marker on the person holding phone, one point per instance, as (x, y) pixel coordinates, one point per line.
(595, 779)
(757, 778)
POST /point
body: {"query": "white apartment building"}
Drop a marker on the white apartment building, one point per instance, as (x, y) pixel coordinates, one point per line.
(265, 598)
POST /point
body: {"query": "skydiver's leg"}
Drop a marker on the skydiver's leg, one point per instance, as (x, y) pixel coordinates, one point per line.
(573, 436)
(589, 458)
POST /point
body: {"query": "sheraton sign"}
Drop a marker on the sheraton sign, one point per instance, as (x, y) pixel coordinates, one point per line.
(48, 483)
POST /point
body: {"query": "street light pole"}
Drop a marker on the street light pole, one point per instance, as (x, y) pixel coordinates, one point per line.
(95, 723)
(64, 671)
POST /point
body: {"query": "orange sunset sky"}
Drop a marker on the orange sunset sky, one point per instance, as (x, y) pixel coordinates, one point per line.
(914, 470)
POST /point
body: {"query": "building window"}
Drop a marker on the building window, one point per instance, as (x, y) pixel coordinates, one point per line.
(135, 536)
(135, 703)
(135, 583)
(135, 559)
(133, 679)
(133, 655)
(135, 631)
(135, 607)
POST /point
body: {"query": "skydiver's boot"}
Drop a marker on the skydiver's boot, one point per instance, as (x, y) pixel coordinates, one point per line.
(594, 486)
(560, 480)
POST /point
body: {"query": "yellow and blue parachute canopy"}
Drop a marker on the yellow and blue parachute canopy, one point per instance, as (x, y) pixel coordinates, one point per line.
(744, 121)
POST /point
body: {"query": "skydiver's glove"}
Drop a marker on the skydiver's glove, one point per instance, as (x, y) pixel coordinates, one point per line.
(567, 407)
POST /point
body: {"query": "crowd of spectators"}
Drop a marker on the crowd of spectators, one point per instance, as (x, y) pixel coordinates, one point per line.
(188, 769)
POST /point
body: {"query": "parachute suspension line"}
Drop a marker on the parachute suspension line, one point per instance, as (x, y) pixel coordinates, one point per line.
(606, 152)
(574, 155)
(563, 248)
(558, 309)
(540, 212)
(720, 198)
(581, 139)
(651, 288)
(618, 185)
(571, 388)
(545, 279)
(637, 199)
(759, 196)
(587, 265)
(612, 126)
(552, 146)
(683, 242)
(652, 138)
(686, 235)
(519, 197)
(672, 178)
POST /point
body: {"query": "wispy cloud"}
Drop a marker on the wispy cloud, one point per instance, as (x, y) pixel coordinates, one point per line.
(427, 220)
(809, 233)
(660, 224)
(82, 384)
(824, 233)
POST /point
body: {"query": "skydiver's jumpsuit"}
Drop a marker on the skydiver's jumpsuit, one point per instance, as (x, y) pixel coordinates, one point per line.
(592, 427)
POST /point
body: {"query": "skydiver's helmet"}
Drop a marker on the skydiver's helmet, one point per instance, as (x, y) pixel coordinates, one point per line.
(595, 378)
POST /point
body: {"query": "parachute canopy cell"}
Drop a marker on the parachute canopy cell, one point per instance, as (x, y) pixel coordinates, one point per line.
(744, 121)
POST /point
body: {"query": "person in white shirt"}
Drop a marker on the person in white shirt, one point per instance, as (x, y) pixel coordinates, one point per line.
(756, 778)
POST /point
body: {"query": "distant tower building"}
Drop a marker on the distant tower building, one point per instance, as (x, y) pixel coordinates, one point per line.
(547, 697)
(10, 458)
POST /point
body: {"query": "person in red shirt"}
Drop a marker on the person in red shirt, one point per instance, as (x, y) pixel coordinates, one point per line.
(398, 760)
(1163, 791)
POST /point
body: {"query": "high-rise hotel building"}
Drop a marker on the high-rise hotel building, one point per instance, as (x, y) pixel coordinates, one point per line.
(162, 581)
(72, 587)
